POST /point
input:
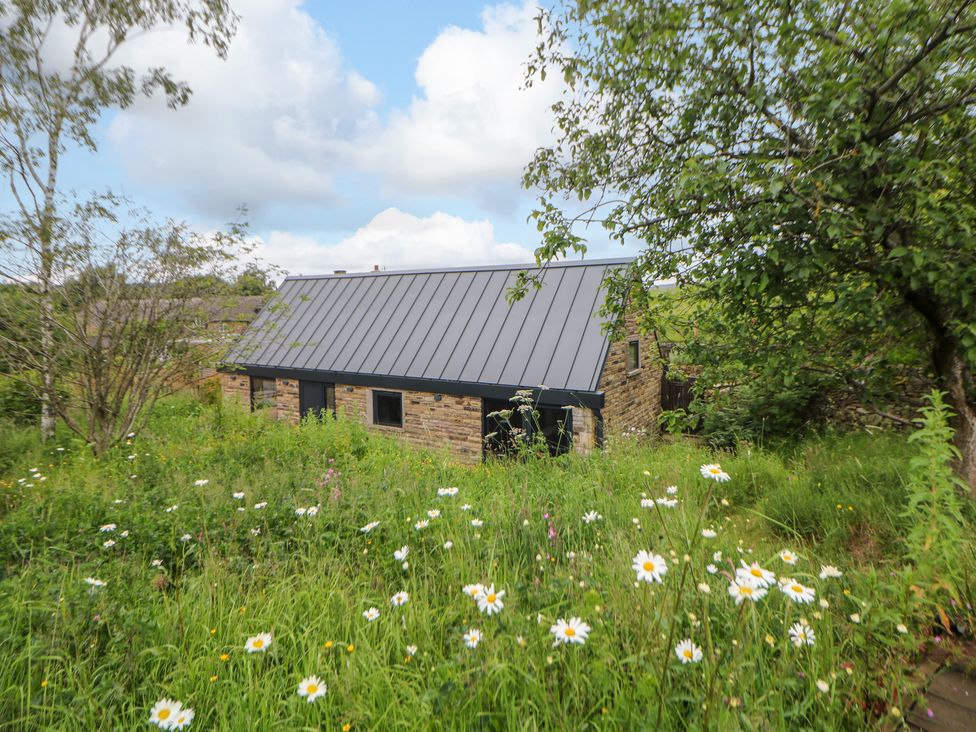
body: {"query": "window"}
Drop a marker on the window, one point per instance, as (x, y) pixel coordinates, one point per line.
(633, 355)
(388, 408)
(263, 393)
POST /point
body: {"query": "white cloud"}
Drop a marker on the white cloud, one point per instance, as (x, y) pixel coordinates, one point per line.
(474, 124)
(394, 240)
(271, 124)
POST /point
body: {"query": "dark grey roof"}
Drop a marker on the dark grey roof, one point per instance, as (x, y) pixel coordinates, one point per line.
(445, 325)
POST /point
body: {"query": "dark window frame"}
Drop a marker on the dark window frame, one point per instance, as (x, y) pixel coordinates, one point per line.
(266, 403)
(633, 355)
(380, 394)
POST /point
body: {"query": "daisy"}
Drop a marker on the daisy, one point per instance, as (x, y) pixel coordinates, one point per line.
(646, 503)
(311, 687)
(125, 534)
(650, 567)
(477, 523)
(671, 490)
(448, 544)
(434, 513)
(401, 553)
(422, 524)
(466, 507)
(490, 601)
(797, 592)
(108, 544)
(239, 495)
(399, 599)
(172, 508)
(369, 527)
(156, 563)
(473, 591)
(704, 587)
(262, 504)
(573, 630)
(258, 643)
(472, 638)
(829, 571)
(312, 511)
(802, 634)
(186, 537)
(823, 686)
(200, 483)
(452, 491)
(300, 511)
(787, 556)
(411, 650)
(709, 533)
(688, 652)
(256, 531)
(755, 574)
(742, 589)
(183, 719)
(715, 472)
(106, 528)
(711, 569)
(590, 516)
(164, 712)
(93, 582)
(371, 614)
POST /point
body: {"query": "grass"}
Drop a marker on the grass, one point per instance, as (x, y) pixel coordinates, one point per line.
(74, 657)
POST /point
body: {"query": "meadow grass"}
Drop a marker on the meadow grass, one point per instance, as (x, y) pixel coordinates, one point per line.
(81, 657)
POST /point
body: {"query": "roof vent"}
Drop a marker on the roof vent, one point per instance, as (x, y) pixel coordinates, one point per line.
(376, 268)
(339, 271)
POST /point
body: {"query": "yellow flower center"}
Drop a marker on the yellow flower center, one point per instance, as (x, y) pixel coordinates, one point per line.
(687, 653)
(570, 632)
(258, 643)
(312, 688)
(745, 590)
(797, 588)
(648, 566)
(164, 713)
(492, 597)
(755, 572)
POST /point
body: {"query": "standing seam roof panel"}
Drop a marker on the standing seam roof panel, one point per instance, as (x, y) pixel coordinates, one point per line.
(349, 344)
(376, 333)
(593, 341)
(371, 363)
(406, 331)
(533, 328)
(477, 356)
(305, 330)
(503, 345)
(431, 328)
(346, 322)
(466, 328)
(298, 307)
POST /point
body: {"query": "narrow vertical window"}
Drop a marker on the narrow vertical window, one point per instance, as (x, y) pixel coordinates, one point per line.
(633, 355)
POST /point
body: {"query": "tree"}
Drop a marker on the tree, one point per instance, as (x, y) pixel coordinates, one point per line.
(799, 168)
(47, 103)
(125, 333)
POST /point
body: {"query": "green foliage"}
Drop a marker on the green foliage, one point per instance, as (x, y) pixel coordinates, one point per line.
(107, 655)
(19, 401)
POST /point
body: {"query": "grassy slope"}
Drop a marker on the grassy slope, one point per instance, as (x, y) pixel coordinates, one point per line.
(106, 656)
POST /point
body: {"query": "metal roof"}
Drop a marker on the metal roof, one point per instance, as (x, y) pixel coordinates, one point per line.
(431, 326)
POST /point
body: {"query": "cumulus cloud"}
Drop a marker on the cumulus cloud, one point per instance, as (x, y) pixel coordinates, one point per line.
(474, 124)
(393, 240)
(271, 124)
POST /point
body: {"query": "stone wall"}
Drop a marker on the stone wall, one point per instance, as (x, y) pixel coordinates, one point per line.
(584, 430)
(236, 387)
(632, 399)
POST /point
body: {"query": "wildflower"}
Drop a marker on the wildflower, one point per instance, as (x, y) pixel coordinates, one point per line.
(472, 638)
(704, 587)
(106, 528)
(300, 511)
(671, 490)
(411, 650)
(715, 472)
(93, 582)
(650, 567)
(590, 516)
(797, 592)
(901, 628)
(239, 495)
(172, 508)
(124, 534)
(108, 544)
(452, 491)
(823, 686)
(434, 513)
(399, 599)
(855, 617)
(369, 527)
(200, 483)
(521, 641)
(311, 687)
(256, 532)
(448, 544)
(225, 657)
(422, 524)
(646, 503)
(755, 574)
(401, 553)
(474, 591)
(688, 652)
(667, 502)
(184, 717)
(573, 630)
(258, 643)
(711, 568)
(371, 614)
(164, 712)
(717, 557)
(156, 563)
(466, 507)
(709, 533)
(802, 634)
(262, 504)
(742, 589)
(490, 601)
(787, 556)
(312, 511)
(187, 537)
(477, 523)
(829, 571)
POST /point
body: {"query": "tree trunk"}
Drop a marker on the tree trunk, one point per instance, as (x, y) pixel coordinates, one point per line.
(959, 384)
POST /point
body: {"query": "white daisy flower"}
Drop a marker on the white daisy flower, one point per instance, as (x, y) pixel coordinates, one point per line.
(650, 567)
(401, 553)
(311, 687)
(200, 483)
(452, 491)
(108, 544)
(901, 628)
(371, 614)
(164, 712)
(124, 534)
(855, 617)
(709, 533)
(802, 634)
(743, 589)
(490, 601)
(829, 571)
(711, 569)
(473, 591)
(667, 502)
(156, 563)
(646, 503)
(106, 528)
(172, 508)
(434, 513)
(369, 527)
(704, 587)
(573, 630)
(239, 495)
(183, 719)
(823, 686)
(671, 490)
(787, 556)
(714, 471)
(590, 516)
(258, 643)
(262, 504)
(466, 507)
(688, 652)
(755, 574)
(256, 531)
(717, 557)
(477, 523)
(448, 544)
(312, 510)
(93, 582)
(299, 511)
(399, 599)
(186, 537)
(422, 524)
(797, 592)
(411, 650)
(472, 638)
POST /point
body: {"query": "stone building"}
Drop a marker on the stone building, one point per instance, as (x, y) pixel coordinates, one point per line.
(433, 356)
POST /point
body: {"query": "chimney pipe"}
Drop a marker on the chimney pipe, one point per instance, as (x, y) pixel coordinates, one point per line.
(376, 268)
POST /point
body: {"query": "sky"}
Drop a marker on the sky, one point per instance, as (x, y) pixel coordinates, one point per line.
(356, 133)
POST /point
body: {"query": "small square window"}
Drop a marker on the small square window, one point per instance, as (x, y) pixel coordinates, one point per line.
(263, 393)
(633, 355)
(388, 408)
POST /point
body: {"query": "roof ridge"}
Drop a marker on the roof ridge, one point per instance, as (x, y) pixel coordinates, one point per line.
(477, 268)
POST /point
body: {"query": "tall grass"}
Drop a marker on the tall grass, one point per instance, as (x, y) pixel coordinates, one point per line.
(74, 657)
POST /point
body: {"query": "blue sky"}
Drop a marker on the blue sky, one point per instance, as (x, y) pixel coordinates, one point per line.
(357, 133)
